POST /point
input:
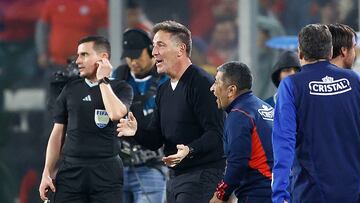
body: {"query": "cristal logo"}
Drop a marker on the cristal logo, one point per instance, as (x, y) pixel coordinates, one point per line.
(267, 113)
(329, 86)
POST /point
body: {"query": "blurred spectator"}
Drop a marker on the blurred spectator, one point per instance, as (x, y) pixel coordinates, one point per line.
(345, 7)
(351, 17)
(204, 13)
(329, 11)
(201, 17)
(225, 9)
(62, 23)
(223, 43)
(268, 27)
(161, 10)
(16, 39)
(136, 18)
(278, 7)
(198, 55)
(297, 14)
(265, 7)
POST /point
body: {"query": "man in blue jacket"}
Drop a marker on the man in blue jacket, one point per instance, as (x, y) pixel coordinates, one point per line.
(317, 117)
(247, 137)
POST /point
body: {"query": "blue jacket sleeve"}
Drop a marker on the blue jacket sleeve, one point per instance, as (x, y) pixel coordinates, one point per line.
(238, 152)
(284, 138)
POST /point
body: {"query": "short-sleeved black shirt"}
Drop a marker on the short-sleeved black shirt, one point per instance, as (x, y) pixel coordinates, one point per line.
(90, 132)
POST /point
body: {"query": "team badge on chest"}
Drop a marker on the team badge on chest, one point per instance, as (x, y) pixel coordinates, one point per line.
(101, 118)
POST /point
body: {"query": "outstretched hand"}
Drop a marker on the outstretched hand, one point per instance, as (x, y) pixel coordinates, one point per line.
(127, 127)
(174, 159)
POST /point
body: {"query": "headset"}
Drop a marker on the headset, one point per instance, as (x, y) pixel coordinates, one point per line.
(145, 36)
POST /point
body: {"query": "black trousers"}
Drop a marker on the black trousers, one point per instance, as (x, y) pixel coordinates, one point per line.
(195, 186)
(89, 180)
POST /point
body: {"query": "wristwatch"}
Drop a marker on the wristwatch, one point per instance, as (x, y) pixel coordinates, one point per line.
(104, 80)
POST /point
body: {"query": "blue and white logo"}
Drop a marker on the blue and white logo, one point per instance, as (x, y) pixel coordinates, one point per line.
(101, 118)
(267, 113)
(329, 86)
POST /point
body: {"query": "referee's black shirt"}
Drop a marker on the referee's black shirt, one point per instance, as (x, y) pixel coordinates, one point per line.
(90, 132)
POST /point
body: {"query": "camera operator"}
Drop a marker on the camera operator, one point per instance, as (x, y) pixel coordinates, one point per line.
(56, 82)
(144, 172)
(59, 79)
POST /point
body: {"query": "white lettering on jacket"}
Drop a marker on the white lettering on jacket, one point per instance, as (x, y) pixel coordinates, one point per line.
(329, 86)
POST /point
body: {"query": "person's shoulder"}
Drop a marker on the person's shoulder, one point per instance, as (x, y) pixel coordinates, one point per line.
(351, 73)
(346, 73)
(165, 82)
(73, 84)
(121, 72)
(200, 75)
(270, 101)
(118, 82)
(239, 112)
(198, 70)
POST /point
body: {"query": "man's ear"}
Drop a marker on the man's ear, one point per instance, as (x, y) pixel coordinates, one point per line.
(300, 54)
(344, 51)
(104, 55)
(232, 90)
(182, 49)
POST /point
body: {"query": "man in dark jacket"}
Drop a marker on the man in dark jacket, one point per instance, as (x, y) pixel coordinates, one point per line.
(287, 64)
(247, 137)
(186, 121)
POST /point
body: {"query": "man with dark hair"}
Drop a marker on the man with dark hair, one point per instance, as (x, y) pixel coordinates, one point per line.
(344, 42)
(144, 172)
(186, 121)
(316, 121)
(87, 111)
(247, 137)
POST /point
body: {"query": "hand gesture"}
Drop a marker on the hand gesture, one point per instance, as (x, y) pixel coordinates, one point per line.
(127, 127)
(46, 183)
(214, 199)
(175, 159)
(104, 68)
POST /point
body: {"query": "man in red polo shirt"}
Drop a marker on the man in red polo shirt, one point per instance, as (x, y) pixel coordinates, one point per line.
(62, 23)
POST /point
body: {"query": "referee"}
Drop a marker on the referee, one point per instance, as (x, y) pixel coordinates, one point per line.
(85, 116)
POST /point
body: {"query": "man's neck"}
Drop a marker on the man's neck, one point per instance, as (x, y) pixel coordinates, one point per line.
(179, 69)
(337, 61)
(92, 79)
(147, 73)
(305, 62)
